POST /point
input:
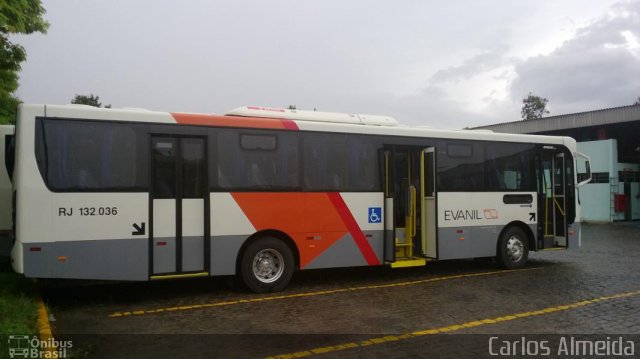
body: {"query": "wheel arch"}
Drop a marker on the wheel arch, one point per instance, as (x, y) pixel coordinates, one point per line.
(274, 234)
(531, 239)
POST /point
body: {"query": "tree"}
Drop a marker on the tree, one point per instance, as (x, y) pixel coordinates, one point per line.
(637, 103)
(533, 107)
(16, 17)
(90, 100)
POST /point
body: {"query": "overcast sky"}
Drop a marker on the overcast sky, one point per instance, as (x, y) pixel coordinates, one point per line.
(435, 63)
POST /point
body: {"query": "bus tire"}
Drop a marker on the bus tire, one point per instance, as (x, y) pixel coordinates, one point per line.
(267, 265)
(513, 248)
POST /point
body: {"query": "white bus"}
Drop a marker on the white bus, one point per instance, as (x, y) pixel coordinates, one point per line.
(260, 192)
(6, 140)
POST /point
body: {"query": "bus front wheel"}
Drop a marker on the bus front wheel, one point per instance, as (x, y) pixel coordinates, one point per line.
(267, 265)
(513, 248)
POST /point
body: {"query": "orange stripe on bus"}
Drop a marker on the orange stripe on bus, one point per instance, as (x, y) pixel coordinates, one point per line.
(299, 215)
(233, 121)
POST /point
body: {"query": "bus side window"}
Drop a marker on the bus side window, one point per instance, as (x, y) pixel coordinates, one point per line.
(88, 156)
(507, 166)
(336, 167)
(257, 160)
(363, 164)
(325, 162)
(9, 154)
(229, 161)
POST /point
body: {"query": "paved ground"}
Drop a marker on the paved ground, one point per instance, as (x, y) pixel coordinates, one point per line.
(366, 312)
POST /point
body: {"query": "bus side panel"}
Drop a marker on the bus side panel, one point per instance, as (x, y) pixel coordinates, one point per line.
(92, 236)
(575, 235)
(32, 196)
(470, 222)
(230, 227)
(346, 253)
(116, 259)
(329, 229)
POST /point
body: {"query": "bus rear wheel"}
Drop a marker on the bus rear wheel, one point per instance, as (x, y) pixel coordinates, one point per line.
(267, 265)
(513, 248)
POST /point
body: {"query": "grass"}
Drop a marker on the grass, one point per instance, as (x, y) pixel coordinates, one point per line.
(18, 302)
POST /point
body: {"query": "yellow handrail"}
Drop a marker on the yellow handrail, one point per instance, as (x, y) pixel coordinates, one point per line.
(414, 211)
(546, 215)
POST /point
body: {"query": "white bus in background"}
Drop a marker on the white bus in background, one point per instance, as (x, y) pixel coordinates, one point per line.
(6, 138)
(262, 192)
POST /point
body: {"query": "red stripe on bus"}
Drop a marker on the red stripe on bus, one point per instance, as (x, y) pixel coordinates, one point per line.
(265, 109)
(290, 125)
(354, 229)
(233, 121)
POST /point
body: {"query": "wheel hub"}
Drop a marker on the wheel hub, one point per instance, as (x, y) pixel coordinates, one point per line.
(515, 249)
(268, 265)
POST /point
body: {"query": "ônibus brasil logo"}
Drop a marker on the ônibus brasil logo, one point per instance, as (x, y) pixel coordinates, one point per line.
(23, 346)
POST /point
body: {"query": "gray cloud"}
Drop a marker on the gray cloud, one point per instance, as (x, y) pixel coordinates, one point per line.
(592, 70)
(472, 66)
(399, 59)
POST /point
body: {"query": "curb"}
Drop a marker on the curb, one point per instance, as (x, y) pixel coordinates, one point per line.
(44, 326)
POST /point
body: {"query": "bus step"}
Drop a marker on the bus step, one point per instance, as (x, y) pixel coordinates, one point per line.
(556, 248)
(403, 244)
(184, 275)
(409, 262)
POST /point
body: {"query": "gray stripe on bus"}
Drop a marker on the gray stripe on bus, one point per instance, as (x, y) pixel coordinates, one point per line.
(479, 241)
(127, 259)
(115, 259)
(343, 253)
(224, 251)
(164, 256)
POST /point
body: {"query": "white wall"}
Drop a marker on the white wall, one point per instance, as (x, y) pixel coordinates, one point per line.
(603, 154)
(595, 198)
(594, 202)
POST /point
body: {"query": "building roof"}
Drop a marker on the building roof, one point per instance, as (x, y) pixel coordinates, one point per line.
(574, 120)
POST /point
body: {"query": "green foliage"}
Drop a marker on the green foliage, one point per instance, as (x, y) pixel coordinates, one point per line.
(16, 17)
(533, 107)
(18, 302)
(90, 100)
(22, 16)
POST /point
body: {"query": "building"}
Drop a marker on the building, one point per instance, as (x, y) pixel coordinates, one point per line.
(611, 137)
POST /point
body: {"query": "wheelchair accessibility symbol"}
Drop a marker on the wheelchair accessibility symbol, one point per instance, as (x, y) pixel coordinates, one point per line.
(375, 214)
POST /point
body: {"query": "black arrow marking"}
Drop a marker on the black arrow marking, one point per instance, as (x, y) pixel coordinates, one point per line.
(139, 229)
(532, 218)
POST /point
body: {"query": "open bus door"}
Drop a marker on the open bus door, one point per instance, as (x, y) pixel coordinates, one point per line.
(429, 202)
(553, 188)
(410, 204)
